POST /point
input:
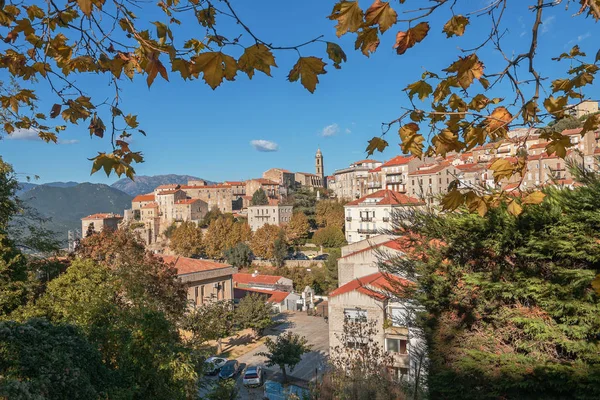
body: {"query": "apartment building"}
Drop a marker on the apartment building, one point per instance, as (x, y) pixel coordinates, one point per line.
(166, 199)
(274, 214)
(372, 214)
(96, 223)
(270, 187)
(394, 172)
(472, 175)
(430, 180)
(205, 281)
(352, 182)
(282, 176)
(192, 210)
(238, 188)
(215, 196)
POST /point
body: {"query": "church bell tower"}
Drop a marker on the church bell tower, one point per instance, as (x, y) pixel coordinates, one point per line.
(319, 166)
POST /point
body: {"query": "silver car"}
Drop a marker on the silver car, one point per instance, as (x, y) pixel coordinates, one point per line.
(253, 377)
(214, 364)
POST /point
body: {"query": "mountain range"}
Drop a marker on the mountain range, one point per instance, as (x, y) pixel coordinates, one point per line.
(146, 184)
(26, 186)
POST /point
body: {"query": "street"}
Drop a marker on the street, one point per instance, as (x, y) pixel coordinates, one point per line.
(316, 332)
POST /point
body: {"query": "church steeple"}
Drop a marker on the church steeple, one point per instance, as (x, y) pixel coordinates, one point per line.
(319, 167)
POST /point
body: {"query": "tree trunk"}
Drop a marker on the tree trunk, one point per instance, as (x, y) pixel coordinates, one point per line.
(219, 346)
(285, 379)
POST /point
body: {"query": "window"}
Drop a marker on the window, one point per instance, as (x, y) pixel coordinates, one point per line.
(396, 345)
(355, 315)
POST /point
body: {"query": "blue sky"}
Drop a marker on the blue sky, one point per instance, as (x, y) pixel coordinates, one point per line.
(195, 130)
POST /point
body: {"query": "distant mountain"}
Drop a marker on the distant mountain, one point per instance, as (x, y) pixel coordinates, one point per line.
(62, 184)
(146, 184)
(27, 186)
(67, 205)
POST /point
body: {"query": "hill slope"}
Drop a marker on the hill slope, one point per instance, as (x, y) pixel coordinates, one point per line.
(146, 184)
(67, 205)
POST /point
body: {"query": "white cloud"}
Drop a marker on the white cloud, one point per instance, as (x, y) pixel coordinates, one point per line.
(523, 34)
(264, 145)
(330, 130)
(584, 36)
(547, 23)
(24, 134)
(68, 141)
(348, 130)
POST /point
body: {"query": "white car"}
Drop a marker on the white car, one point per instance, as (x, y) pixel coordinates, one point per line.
(214, 365)
(253, 377)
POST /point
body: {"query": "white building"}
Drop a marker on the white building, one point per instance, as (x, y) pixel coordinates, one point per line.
(269, 214)
(372, 214)
(352, 182)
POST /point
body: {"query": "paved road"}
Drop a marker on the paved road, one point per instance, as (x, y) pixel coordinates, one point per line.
(316, 332)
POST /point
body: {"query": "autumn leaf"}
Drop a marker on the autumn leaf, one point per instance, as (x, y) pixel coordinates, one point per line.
(467, 69)
(556, 106)
(376, 143)
(502, 168)
(534, 198)
(257, 57)
(215, 66)
(86, 6)
(411, 141)
(153, 68)
(591, 123)
(104, 161)
(206, 17)
(559, 146)
(475, 203)
(335, 54)
(422, 88)
(381, 14)
(456, 26)
(348, 15)
(367, 40)
(499, 119)
(307, 69)
(131, 120)
(55, 112)
(406, 40)
(452, 200)
(514, 208)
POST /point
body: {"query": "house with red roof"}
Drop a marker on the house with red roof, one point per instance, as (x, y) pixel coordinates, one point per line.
(379, 298)
(394, 172)
(372, 214)
(205, 281)
(276, 290)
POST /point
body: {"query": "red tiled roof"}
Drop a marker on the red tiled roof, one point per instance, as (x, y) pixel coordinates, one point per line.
(571, 132)
(538, 146)
(186, 265)
(430, 169)
(597, 150)
(205, 187)
(276, 296)
(331, 178)
(388, 197)
(273, 202)
(373, 285)
(168, 186)
(464, 156)
(187, 201)
(470, 167)
(263, 279)
(102, 216)
(234, 183)
(167, 192)
(376, 169)
(392, 244)
(143, 197)
(511, 186)
(150, 205)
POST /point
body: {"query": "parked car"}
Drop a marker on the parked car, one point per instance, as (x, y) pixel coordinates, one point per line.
(321, 257)
(253, 377)
(300, 256)
(214, 365)
(229, 370)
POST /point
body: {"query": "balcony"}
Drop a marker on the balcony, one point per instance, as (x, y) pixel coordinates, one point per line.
(368, 231)
(374, 185)
(348, 219)
(366, 219)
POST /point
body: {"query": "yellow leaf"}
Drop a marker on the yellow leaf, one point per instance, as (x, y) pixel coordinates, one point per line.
(479, 102)
(591, 123)
(153, 68)
(376, 143)
(456, 26)
(406, 40)
(467, 69)
(367, 40)
(214, 67)
(452, 200)
(514, 208)
(257, 57)
(559, 145)
(335, 54)
(411, 141)
(131, 120)
(475, 203)
(307, 69)
(498, 120)
(534, 198)
(422, 88)
(86, 6)
(502, 168)
(556, 106)
(348, 15)
(381, 14)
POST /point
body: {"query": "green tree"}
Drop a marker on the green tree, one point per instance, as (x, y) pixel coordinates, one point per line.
(239, 256)
(297, 229)
(213, 321)
(331, 269)
(213, 214)
(259, 198)
(515, 296)
(43, 360)
(254, 313)
(330, 236)
(285, 352)
(304, 200)
(218, 237)
(330, 213)
(263, 241)
(224, 390)
(186, 239)
(280, 249)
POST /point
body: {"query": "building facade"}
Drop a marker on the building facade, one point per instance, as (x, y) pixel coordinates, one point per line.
(352, 182)
(258, 216)
(96, 223)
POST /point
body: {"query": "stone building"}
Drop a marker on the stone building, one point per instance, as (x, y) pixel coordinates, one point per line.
(431, 180)
(372, 214)
(352, 182)
(306, 179)
(275, 214)
(215, 196)
(394, 173)
(205, 281)
(584, 108)
(190, 210)
(282, 176)
(270, 187)
(238, 188)
(166, 200)
(99, 222)
(320, 168)
(472, 175)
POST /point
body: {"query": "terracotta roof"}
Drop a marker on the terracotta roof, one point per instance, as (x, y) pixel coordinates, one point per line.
(464, 156)
(185, 265)
(429, 169)
(143, 197)
(374, 285)
(364, 162)
(307, 173)
(234, 183)
(388, 197)
(331, 178)
(538, 146)
(276, 296)
(263, 181)
(150, 205)
(205, 187)
(168, 186)
(167, 192)
(102, 216)
(571, 132)
(511, 186)
(187, 201)
(597, 150)
(262, 279)
(273, 202)
(376, 169)
(472, 167)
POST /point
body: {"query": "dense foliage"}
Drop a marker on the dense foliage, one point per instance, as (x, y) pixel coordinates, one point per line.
(259, 198)
(186, 239)
(239, 256)
(286, 351)
(297, 229)
(330, 213)
(511, 312)
(254, 312)
(329, 236)
(264, 240)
